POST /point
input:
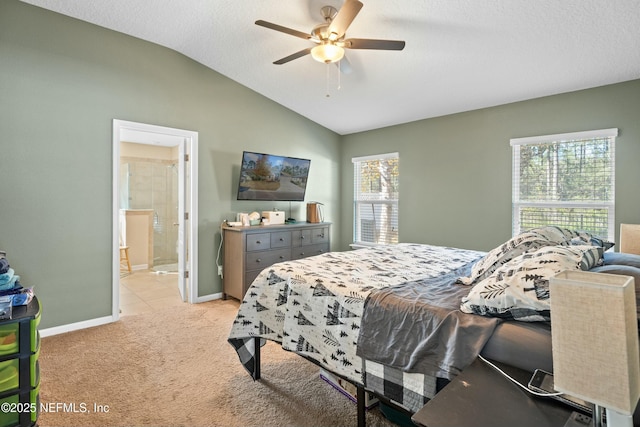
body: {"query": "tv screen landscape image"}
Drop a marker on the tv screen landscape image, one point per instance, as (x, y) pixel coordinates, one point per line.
(270, 177)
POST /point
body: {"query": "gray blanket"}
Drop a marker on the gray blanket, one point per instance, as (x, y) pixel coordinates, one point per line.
(418, 327)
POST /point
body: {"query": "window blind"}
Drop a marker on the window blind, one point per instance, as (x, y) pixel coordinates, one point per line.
(376, 195)
(566, 180)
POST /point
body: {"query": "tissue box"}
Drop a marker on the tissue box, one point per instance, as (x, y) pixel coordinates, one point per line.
(274, 217)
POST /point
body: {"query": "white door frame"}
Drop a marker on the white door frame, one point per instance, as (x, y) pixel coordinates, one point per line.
(158, 135)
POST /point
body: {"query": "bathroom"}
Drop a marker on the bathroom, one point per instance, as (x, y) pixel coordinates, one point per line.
(149, 206)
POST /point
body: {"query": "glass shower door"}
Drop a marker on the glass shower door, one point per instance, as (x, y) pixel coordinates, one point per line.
(153, 184)
(165, 226)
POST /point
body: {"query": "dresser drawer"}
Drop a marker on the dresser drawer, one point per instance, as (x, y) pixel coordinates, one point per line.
(250, 250)
(319, 235)
(309, 250)
(281, 239)
(262, 260)
(258, 242)
(300, 238)
(9, 338)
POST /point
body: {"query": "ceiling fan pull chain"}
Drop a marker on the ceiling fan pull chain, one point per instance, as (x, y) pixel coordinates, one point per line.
(327, 81)
(339, 75)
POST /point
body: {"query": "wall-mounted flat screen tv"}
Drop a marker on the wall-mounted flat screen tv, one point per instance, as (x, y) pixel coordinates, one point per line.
(270, 177)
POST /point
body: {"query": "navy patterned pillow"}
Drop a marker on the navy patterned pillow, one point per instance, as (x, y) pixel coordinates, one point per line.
(573, 237)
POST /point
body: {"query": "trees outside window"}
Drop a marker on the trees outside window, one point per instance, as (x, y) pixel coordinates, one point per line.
(566, 180)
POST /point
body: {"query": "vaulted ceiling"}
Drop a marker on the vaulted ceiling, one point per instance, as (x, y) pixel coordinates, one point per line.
(460, 55)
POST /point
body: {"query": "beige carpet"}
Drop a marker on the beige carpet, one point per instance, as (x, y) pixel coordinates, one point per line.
(176, 369)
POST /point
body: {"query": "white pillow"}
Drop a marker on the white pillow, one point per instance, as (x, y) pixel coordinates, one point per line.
(519, 289)
(517, 245)
(529, 241)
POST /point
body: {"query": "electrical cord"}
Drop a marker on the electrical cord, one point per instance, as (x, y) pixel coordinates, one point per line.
(220, 249)
(513, 380)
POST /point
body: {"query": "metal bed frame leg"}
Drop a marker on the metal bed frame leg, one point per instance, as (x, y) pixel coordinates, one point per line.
(362, 422)
(359, 389)
(256, 359)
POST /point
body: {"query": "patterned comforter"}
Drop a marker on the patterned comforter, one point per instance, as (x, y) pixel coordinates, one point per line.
(314, 306)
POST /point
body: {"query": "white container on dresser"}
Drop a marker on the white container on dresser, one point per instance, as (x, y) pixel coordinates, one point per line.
(249, 250)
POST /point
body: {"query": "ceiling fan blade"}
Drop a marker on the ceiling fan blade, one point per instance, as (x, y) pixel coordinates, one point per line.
(293, 56)
(374, 44)
(344, 65)
(344, 18)
(282, 29)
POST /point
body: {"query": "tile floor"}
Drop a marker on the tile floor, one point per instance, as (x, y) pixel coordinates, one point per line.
(144, 291)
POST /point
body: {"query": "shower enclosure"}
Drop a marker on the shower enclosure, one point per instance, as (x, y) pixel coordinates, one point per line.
(153, 184)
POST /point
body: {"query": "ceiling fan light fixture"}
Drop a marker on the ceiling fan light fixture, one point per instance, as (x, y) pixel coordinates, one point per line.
(327, 53)
(330, 35)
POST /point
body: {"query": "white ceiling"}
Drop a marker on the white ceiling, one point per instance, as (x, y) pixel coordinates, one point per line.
(460, 55)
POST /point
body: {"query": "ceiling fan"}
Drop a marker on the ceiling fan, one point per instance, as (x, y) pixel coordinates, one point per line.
(329, 37)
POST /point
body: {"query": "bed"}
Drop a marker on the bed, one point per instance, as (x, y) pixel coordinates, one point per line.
(402, 320)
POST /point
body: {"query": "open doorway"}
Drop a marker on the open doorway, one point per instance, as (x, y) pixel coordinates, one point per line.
(154, 213)
(148, 227)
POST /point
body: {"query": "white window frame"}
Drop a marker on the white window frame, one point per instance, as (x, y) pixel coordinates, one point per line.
(516, 143)
(358, 202)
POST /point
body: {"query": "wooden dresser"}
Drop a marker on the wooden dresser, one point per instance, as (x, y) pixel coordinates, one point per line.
(249, 250)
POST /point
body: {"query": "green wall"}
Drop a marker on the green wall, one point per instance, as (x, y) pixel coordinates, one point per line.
(62, 82)
(455, 171)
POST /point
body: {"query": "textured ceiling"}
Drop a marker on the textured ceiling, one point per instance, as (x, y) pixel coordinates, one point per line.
(460, 55)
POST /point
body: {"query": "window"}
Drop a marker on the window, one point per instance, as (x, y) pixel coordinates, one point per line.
(376, 199)
(566, 180)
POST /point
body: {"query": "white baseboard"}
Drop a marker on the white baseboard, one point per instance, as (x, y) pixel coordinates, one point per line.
(210, 297)
(56, 330)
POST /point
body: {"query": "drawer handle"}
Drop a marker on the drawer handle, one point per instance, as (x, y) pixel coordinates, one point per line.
(321, 235)
(302, 237)
(258, 260)
(281, 239)
(281, 257)
(302, 253)
(258, 242)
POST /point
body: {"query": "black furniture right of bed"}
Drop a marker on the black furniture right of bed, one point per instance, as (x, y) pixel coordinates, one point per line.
(482, 397)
